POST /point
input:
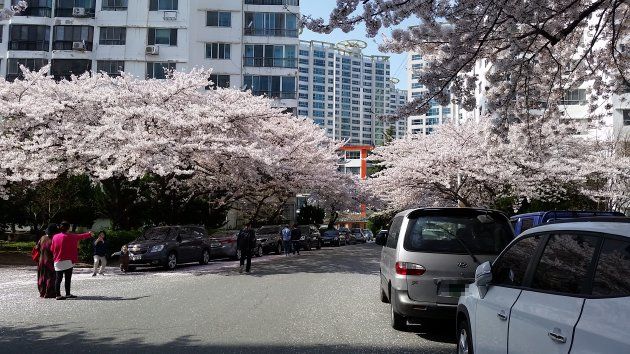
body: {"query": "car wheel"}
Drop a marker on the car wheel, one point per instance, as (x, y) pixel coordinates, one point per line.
(464, 340)
(171, 261)
(398, 321)
(279, 249)
(205, 257)
(259, 252)
(131, 269)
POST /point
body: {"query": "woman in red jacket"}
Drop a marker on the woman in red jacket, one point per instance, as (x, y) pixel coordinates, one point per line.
(65, 248)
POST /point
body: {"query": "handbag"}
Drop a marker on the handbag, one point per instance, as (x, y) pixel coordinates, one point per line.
(35, 253)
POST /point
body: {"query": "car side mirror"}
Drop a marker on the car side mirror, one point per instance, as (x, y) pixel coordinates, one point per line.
(483, 277)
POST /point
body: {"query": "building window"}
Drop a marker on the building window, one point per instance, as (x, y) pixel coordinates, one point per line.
(166, 36)
(276, 24)
(282, 87)
(29, 37)
(114, 5)
(168, 5)
(65, 8)
(216, 80)
(13, 67)
(416, 57)
(64, 68)
(112, 68)
(36, 8)
(159, 70)
(113, 36)
(574, 97)
(278, 56)
(626, 116)
(64, 37)
(218, 19)
(218, 50)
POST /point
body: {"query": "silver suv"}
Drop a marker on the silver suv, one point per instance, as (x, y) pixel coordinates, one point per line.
(430, 255)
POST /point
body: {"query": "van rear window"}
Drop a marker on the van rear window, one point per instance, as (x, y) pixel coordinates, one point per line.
(482, 234)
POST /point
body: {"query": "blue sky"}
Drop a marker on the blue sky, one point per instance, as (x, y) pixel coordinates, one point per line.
(322, 8)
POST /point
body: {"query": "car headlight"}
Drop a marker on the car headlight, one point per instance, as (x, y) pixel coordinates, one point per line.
(336, 238)
(157, 248)
(302, 238)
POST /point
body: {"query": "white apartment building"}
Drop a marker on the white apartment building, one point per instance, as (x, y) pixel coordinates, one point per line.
(436, 115)
(345, 91)
(250, 44)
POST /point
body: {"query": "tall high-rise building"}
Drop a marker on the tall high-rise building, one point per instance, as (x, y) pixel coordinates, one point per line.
(346, 92)
(436, 115)
(249, 43)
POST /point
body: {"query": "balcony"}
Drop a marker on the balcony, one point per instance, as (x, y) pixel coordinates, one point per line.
(276, 94)
(36, 12)
(68, 45)
(68, 12)
(29, 45)
(271, 32)
(273, 2)
(261, 62)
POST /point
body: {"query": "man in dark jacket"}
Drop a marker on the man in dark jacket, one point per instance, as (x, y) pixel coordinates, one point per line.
(100, 251)
(296, 235)
(246, 242)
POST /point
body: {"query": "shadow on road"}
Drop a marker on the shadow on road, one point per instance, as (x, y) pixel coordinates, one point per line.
(436, 331)
(356, 259)
(57, 338)
(107, 298)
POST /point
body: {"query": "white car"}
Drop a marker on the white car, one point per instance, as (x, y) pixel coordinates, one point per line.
(558, 288)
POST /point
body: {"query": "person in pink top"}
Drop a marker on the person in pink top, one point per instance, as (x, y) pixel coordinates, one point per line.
(65, 249)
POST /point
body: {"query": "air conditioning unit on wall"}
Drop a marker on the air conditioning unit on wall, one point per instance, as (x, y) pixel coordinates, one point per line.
(78, 11)
(79, 46)
(152, 50)
(170, 15)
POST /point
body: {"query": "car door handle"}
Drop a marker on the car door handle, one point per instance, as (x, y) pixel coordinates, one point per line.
(502, 316)
(556, 336)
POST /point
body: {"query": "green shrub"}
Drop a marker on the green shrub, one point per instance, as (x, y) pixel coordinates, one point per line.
(21, 247)
(115, 240)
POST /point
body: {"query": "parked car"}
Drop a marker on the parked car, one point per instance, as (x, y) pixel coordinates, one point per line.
(348, 235)
(331, 237)
(430, 255)
(524, 222)
(381, 237)
(558, 287)
(169, 246)
(270, 238)
(311, 238)
(358, 236)
(223, 245)
(369, 236)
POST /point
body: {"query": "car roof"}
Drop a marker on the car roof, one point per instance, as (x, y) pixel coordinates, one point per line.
(405, 213)
(620, 227)
(537, 213)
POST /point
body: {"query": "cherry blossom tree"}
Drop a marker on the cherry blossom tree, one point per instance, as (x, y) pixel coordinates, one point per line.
(10, 11)
(470, 165)
(522, 56)
(224, 143)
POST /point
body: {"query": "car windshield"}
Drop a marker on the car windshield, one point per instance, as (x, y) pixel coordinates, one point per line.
(481, 234)
(158, 234)
(268, 230)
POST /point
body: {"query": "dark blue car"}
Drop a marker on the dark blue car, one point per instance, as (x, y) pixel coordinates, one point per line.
(524, 222)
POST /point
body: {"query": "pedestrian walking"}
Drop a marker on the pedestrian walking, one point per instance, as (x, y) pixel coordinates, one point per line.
(45, 264)
(100, 251)
(124, 259)
(296, 235)
(286, 240)
(246, 242)
(65, 249)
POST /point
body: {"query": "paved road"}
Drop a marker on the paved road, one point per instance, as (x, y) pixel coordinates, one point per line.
(323, 301)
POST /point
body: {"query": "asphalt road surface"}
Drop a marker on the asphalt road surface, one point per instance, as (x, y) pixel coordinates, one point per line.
(320, 302)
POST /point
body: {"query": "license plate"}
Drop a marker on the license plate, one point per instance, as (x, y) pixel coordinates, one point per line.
(135, 258)
(452, 290)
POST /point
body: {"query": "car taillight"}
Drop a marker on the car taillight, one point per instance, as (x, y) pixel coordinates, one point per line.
(406, 268)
